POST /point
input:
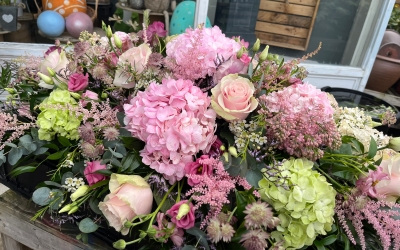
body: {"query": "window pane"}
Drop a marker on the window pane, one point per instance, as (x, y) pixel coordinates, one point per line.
(338, 25)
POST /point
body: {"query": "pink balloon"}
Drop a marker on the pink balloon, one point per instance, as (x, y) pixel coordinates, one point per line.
(78, 22)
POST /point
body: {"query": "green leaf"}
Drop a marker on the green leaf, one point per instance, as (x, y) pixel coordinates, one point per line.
(188, 247)
(228, 136)
(105, 172)
(127, 161)
(56, 156)
(200, 235)
(373, 148)
(115, 154)
(52, 183)
(87, 226)
(57, 199)
(99, 184)
(94, 205)
(3, 158)
(116, 162)
(41, 196)
(253, 177)
(11, 144)
(20, 170)
(52, 146)
(124, 132)
(242, 199)
(319, 245)
(64, 141)
(133, 143)
(40, 151)
(65, 176)
(85, 238)
(120, 117)
(14, 155)
(345, 149)
(328, 240)
(78, 167)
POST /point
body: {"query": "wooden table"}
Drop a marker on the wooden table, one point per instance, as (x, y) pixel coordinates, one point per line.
(18, 232)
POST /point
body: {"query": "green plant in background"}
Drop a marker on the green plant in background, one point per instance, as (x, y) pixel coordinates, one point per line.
(8, 2)
(130, 26)
(394, 21)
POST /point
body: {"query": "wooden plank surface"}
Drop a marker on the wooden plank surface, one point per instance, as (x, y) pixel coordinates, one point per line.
(301, 2)
(281, 29)
(10, 244)
(292, 20)
(267, 38)
(294, 9)
(15, 215)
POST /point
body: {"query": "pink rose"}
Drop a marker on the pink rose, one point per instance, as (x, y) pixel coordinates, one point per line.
(232, 98)
(130, 195)
(182, 214)
(390, 188)
(156, 28)
(78, 82)
(88, 95)
(90, 170)
(134, 59)
(56, 60)
(197, 168)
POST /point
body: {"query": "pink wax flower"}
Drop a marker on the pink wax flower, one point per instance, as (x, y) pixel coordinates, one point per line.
(78, 82)
(88, 95)
(178, 124)
(197, 168)
(182, 214)
(90, 170)
(368, 184)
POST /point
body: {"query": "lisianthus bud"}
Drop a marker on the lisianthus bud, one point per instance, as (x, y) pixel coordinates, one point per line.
(81, 191)
(263, 56)
(117, 41)
(104, 95)
(226, 156)
(240, 53)
(151, 232)
(11, 91)
(73, 210)
(120, 244)
(51, 71)
(66, 208)
(375, 124)
(233, 151)
(142, 234)
(75, 95)
(109, 33)
(183, 210)
(394, 143)
(45, 78)
(256, 46)
(222, 148)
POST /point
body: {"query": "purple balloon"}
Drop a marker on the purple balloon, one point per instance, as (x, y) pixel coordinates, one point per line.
(78, 22)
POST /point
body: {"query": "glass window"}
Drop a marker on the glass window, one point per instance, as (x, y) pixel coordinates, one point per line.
(338, 24)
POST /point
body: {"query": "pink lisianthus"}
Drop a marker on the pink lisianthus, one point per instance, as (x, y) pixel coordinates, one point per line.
(368, 184)
(130, 195)
(232, 66)
(232, 98)
(166, 229)
(197, 168)
(78, 82)
(183, 217)
(177, 121)
(88, 95)
(125, 39)
(90, 170)
(56, 59)
(156, 28)
(390, 187)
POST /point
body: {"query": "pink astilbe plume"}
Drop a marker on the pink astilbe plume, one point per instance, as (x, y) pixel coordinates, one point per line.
(300, 119)
(358, 208)
(175, 121)
(10, 124)
(213, 190)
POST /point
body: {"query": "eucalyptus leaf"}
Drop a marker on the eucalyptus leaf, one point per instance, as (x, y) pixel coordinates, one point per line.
(188, 247)
(14, 155)
(57, 198)
(115, 154)
(253, 177)
(26, 142)
(78, 167)
(40, 151)
(41, 196)
(120, 117)
(52, 183)
(94, 205)
(11, 144)
(87, 226)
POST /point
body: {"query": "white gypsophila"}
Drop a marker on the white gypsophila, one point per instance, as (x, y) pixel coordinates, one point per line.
(245, 134)
(354, 122)
(72, 184)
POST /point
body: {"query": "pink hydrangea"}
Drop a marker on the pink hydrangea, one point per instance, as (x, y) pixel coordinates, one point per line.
(204, 51)
(300, 119)
(174, 121)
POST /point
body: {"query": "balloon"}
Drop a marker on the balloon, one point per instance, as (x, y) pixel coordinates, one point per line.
(78, 22)
(51, 23)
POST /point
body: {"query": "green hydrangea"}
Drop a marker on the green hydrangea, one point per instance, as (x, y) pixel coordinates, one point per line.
(305, 209)
(61, 121)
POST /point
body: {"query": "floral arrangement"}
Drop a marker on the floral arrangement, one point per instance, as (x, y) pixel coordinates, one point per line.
(197, 141)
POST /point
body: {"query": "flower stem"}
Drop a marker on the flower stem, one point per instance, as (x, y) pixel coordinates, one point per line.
(160, 205)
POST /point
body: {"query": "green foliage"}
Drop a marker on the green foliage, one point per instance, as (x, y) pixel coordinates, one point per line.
(87, 226)
(394, 21)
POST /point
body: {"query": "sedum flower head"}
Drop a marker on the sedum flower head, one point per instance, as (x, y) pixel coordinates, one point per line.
(306, 208)
(57, 118)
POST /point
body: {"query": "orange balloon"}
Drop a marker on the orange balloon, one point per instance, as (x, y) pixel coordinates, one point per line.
(65, 7)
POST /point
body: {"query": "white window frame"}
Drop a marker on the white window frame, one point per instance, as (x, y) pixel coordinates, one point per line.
(353, 77)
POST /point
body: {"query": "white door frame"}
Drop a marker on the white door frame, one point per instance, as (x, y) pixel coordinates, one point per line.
(353, 77)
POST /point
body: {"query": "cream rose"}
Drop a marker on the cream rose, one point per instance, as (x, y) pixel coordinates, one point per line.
(130, 195)
(137, 58)
(232, 98)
